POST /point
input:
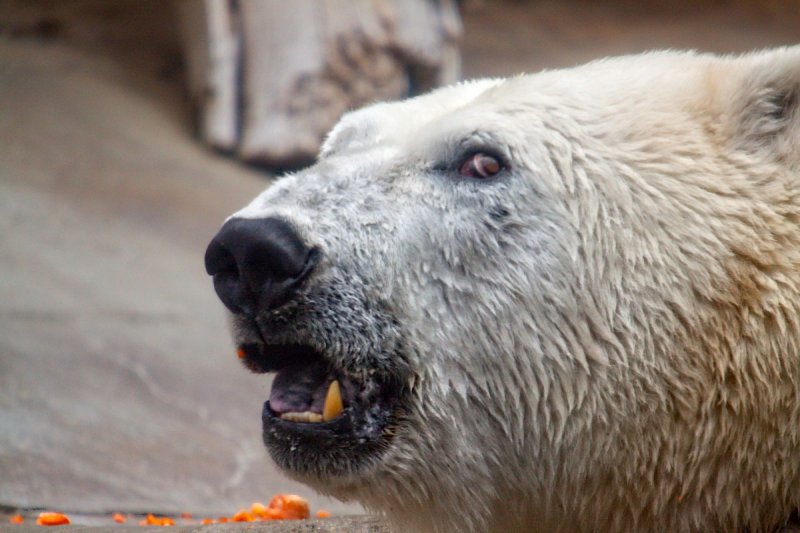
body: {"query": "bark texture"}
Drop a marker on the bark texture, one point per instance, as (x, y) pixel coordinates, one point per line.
(268, 78)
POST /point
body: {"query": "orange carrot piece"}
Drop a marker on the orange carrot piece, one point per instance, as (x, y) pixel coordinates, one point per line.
(16, 519)
(322, 513)
(52, 519)
(119, 518)
(274, 514)
(259, 510)
(243, 516)
(153, 520)
(207, 521)
(290, 505)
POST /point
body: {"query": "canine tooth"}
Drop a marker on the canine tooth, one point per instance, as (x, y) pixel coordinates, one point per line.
(305, 416)
(333, 402)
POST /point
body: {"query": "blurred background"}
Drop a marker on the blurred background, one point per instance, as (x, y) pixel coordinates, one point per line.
(129, 130)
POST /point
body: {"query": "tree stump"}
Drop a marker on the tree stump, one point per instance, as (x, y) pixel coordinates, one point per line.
(268, 78)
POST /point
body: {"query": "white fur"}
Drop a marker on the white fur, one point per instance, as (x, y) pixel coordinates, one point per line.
(619, 352)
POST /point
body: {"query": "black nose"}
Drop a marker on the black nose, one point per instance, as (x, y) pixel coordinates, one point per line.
(258, 264)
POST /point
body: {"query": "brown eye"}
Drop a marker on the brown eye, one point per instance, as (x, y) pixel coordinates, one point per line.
(480, 165)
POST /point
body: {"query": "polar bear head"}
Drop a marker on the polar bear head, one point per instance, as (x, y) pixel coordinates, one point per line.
(566, 301)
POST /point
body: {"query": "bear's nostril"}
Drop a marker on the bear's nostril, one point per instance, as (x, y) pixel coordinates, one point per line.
(258, 262)
(230, 291)
(219, 260)
(221, 264)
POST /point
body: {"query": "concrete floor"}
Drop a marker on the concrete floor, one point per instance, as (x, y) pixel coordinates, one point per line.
(119, 388)
(347, 524)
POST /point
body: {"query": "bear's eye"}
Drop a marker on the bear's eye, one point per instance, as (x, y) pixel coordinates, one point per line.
(480, 165)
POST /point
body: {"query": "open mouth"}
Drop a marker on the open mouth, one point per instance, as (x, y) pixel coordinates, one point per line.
(320, 419)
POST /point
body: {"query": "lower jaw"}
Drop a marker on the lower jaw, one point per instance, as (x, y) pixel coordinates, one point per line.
(340, 447)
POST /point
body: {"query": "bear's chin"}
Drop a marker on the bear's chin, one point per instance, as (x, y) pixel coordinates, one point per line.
(303, 436)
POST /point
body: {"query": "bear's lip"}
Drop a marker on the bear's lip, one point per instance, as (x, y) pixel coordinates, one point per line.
(294, 432)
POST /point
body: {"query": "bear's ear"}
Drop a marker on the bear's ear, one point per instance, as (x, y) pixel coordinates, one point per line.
(342, 134)
(762, 93)
(355, 129)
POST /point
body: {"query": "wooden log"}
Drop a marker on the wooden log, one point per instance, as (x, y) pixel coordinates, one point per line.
(211, 42)
(271, 77)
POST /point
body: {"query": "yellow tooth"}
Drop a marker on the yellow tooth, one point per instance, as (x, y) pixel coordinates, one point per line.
(305, 416)
(333, 402)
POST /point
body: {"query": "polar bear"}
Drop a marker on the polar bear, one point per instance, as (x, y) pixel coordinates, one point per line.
(568, 301)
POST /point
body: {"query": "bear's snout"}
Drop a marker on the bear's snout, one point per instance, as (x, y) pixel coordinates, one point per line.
(258, 264)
